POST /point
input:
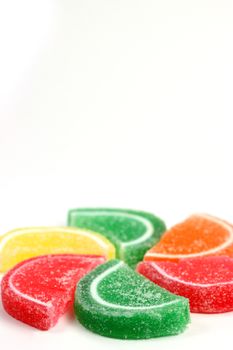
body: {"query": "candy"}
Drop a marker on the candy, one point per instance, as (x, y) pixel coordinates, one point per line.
(115, 301)
(40, 290)
(25, 243)
(199, 235)
(207, 282)
(132, 232)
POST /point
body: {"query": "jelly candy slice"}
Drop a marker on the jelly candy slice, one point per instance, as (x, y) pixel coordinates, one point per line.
(199, 235)
(207, 282)
(39, 290)
(25, 243)
(115, 301)
(132, 232)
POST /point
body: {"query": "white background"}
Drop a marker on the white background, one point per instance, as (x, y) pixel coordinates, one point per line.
(122, 103)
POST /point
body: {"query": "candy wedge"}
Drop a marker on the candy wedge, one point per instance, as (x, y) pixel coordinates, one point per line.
(115, 301)
(132, 232)
(25, 243)
(198, 236)
(207, 282)
(40, 290)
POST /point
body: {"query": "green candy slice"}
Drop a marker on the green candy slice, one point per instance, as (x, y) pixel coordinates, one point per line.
(132, 232)
(115, 301)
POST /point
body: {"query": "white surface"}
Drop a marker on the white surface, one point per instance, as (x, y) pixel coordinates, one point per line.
(123, 103)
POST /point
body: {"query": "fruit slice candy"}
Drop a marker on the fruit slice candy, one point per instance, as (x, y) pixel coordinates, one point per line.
(206, 282)
(25, 243)
(199, 235)
(40, 290)
(132, 232)
(115, 301)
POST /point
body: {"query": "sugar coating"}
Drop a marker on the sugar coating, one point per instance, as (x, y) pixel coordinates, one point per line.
(39, 290)
(132, 232)
(207, 282)
(115, 301)
(198, 235)
(25, 243)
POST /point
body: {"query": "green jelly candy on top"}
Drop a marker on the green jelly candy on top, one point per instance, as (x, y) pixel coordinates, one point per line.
(115, 301)
(132, 232)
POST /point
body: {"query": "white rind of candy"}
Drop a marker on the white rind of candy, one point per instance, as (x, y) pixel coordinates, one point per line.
(16, 291)
(222, 246)
(99, 300)
(80, 232)
(162, 272)
(24, 295)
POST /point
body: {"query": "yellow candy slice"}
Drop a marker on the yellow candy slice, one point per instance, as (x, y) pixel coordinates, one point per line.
(25, 243)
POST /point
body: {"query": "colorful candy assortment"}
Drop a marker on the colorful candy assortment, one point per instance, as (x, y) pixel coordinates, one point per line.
(189, 264)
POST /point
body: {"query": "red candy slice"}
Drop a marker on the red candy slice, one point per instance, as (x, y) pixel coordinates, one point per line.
(206, 282)
(40, 290)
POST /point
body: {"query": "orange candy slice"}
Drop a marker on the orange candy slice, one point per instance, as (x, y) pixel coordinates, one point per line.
(199, 235)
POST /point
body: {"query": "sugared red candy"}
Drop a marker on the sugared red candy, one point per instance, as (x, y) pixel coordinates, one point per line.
(115, 301)
(40, 290)
(132, 232)
(25, 243)
(207, 282)
(199, 235)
